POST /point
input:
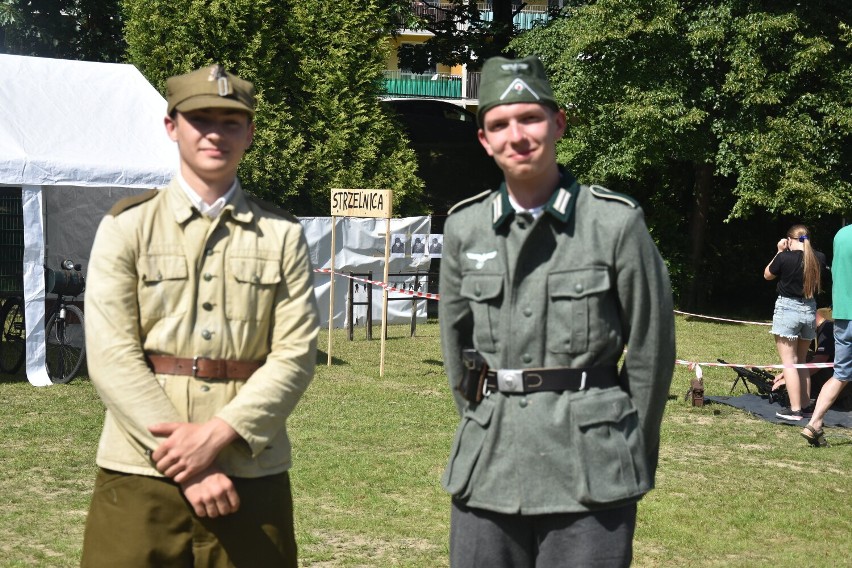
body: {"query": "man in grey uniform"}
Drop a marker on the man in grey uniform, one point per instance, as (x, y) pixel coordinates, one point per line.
(544, 284)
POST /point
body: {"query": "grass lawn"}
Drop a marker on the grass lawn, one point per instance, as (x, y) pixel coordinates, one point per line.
(369, 452)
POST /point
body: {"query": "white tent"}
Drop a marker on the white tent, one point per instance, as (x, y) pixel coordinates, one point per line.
(75, 137)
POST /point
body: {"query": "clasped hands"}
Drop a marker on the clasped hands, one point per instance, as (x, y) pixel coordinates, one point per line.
(187, 456)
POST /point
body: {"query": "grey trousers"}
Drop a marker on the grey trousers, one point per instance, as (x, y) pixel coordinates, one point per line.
(483, 539)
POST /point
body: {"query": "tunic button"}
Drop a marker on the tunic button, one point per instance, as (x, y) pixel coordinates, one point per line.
(255, 279)
(526, 358)
(209, 252)
(204, 388)
(207, 306)
(578, 287)
(523, 402)
(208, 277)
(527, 312)
(477, 290)
(206, 334)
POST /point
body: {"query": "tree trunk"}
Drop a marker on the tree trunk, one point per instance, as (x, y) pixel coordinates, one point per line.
(503, 24)
(701, 193)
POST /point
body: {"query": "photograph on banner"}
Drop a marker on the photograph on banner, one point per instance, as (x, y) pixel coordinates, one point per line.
(418, 244)
(398, 242)
(436, 245)
(360, 250)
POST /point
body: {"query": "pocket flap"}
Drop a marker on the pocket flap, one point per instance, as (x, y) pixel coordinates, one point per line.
(481, 414)
(156, 268)
(603, 410)
(578, 283)
(256, 270)
(481, 287)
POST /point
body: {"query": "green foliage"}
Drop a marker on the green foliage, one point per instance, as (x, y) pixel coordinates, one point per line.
(761, 91)
(69, 29)
(317, 67)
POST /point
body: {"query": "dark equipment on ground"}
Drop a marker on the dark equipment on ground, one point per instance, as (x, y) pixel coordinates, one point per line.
(761, 379)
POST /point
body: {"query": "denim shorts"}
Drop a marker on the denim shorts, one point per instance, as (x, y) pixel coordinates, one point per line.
(842, 350)
(794, 319)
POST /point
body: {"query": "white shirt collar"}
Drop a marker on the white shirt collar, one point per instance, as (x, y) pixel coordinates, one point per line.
(214, 209)
(535, 211)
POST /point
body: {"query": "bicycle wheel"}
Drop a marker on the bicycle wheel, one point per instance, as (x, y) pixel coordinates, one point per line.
(66, 345)
(13, 344)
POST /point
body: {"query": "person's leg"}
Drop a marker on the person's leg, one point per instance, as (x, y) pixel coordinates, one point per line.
(259, 535)
(842, 374)
(136, 521)
(788, 351)
(827, 397)
(804, 374)
(601, 539)
(483, 539)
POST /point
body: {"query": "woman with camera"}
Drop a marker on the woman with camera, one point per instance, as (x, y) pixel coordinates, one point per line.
(797, 266)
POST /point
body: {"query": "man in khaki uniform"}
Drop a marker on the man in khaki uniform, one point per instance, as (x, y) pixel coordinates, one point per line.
(201, 338)
(544, 282)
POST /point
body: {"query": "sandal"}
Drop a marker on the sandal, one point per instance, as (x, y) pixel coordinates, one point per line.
(815, 438)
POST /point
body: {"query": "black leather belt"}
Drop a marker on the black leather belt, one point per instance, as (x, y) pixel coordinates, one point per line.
(550, 379)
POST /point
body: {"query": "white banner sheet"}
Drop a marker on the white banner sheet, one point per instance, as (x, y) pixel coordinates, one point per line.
(361, 249)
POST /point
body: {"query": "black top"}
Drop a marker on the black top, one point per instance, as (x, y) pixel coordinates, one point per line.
(789, 267)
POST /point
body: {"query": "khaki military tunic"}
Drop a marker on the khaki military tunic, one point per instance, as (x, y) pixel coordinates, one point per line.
(166, 280)
(572, 288)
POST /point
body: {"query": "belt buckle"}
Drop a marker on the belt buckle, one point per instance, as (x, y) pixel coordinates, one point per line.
(510, 380)
(195, 367)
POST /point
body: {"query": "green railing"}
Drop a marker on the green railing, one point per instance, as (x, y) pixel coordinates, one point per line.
(438, 85)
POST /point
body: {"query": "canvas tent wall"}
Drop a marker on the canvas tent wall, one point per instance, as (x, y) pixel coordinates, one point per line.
(75, 137)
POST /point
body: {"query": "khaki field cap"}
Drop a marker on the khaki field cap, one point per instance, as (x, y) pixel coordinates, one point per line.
(507, 81)
(209, 87)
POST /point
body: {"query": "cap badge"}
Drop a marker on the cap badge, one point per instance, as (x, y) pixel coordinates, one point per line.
(519, 86)
(217, 73)
(514, 67)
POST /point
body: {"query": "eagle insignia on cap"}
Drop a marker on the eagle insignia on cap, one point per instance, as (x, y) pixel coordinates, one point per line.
(515, 67)
(217, 73)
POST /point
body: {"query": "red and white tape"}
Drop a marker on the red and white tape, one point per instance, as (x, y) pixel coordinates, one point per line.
(693, 364)
(385, 285)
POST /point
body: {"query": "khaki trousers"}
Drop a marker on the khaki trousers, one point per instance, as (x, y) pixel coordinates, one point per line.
(145, 522)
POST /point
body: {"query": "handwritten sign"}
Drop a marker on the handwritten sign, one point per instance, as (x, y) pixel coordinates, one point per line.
(372, 203)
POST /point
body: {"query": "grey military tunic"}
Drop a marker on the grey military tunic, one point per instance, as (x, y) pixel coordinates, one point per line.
(572, 288)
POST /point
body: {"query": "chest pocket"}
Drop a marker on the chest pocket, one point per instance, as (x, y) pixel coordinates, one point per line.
(485, 295)
(162, 285)
(579, 311)
(252, 279)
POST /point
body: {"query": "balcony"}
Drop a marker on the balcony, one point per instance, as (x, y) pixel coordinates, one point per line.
(436, 11)
(431, 85)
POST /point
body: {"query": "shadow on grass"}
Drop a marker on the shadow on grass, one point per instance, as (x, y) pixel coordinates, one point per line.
(322, 358)
(434, 362)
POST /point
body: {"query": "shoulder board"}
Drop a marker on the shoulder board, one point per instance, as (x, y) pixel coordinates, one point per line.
(603, 193)
(272, 208)
(132, 201)
(465, 202)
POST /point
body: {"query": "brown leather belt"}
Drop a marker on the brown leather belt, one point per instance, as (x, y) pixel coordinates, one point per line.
(551, 379)
(202, 367)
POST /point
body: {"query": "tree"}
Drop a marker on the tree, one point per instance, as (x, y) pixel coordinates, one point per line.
(744, 102)
(88, 30)
(463, 33)
(317, 67)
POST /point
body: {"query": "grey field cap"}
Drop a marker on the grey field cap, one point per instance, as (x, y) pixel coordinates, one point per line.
(507, 81)
(209, 87)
